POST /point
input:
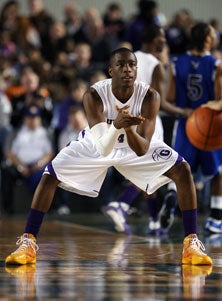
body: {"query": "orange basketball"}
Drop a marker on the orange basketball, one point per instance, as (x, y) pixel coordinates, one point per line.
(204, 129)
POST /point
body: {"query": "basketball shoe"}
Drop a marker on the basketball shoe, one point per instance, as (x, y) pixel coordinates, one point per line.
(117, 213)
(154, 228)
(213, 225)
(26, 252)
(193, 251)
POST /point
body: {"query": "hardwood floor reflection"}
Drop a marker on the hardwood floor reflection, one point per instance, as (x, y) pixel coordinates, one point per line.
(77, 262)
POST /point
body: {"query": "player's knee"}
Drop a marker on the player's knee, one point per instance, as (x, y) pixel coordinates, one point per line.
(48, 180)
(181, 172)
(184, 172)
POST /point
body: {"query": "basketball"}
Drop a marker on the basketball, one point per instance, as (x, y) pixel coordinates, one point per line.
(204, 129)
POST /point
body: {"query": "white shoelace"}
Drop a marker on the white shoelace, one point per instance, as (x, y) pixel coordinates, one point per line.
(197, 245)
(26, 242)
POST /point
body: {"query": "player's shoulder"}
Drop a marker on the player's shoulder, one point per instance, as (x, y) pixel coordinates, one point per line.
(144, 57)
(102, 83)
(152, 93)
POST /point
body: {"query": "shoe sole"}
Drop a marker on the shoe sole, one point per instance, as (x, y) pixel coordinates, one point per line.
(196, 261)
(19, 262)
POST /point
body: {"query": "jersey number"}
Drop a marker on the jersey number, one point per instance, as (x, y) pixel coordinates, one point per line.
(121, 138)
(195, 90)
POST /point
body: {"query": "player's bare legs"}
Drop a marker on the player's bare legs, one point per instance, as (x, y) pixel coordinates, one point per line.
(44, 193)
(214, 221)
(186, 192)
(26, 253)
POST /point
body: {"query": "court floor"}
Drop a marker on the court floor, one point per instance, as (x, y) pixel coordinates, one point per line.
(82, 258)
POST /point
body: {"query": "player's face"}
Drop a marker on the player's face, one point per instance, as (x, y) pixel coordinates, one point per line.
(123, 69)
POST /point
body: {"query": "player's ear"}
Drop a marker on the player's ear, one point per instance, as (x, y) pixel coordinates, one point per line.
(110, 71)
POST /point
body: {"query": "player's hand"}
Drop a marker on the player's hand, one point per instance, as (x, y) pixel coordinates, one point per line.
(124, 119)
(214, 105)
(187, 112)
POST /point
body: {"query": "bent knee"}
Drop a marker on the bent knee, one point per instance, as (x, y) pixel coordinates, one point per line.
(180, 170)
(49, 180)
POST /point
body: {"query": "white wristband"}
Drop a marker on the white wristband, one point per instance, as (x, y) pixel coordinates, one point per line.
(104, 137)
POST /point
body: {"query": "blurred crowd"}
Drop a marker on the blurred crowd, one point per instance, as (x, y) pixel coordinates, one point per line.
(46, 66)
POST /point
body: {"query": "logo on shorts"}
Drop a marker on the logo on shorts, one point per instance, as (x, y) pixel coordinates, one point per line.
(161, 153)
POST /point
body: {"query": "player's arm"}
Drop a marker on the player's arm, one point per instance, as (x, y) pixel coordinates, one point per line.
(217, 103)
(218, 83)
(171, 96)
(139, 140)
(158, 82)
(104, 136)
(214, 105)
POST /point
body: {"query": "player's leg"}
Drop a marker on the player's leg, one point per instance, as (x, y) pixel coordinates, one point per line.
(42, 199)
(152, 171)
(117, 210)
(167, 210)
(214, 221)
(66, 170)
(193, 249)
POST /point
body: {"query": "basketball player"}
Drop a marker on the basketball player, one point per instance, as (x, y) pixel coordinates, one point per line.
(151, 71)
(121, 114)
(196, 77)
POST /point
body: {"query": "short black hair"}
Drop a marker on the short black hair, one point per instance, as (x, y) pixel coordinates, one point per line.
(198, 35)
(119, 50)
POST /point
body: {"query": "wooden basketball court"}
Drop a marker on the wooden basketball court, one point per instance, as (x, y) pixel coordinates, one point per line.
(82, 258)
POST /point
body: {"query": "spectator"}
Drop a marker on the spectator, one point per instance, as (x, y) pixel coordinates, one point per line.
(7, 46)
(19, 27)
(83, 66)
(178, 32)
(72, 19)
(56, 42)
(114, 24)
(74, 98)
(76, 122)
(27, 151)
(34, 94)
(94, 34)
(40, 19)
(147, 14)
(5, 112)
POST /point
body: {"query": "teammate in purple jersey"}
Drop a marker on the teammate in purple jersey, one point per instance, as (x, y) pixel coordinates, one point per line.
(121, 114)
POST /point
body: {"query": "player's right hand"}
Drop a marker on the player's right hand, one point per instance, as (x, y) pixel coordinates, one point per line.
(125, 119)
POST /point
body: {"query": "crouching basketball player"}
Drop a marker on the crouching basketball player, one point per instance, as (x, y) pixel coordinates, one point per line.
(121, 114)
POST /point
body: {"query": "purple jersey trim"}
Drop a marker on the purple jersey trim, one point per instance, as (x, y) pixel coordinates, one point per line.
(179, 159)
(51, 170)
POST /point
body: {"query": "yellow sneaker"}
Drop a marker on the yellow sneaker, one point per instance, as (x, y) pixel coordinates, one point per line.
(193, 251)
(26, 253)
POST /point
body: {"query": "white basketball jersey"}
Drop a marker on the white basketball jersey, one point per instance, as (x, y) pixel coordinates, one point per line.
(104, 89)
(146, 64)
